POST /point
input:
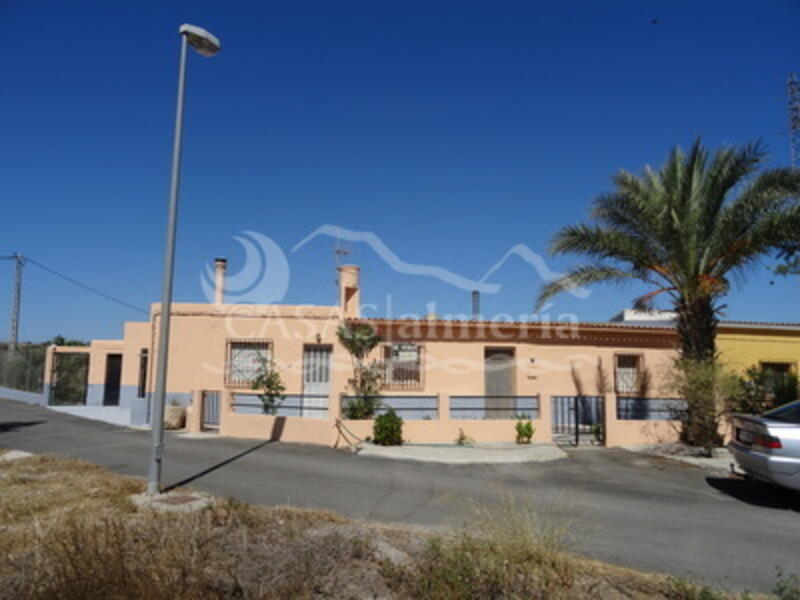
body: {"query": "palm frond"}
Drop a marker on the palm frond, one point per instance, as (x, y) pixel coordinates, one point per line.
(584, 275)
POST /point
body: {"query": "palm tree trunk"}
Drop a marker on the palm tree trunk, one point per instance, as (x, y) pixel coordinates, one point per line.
(697, 329)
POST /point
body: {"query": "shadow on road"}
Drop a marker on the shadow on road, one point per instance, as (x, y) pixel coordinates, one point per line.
(9, 426)
(756, 493)
(213, 468)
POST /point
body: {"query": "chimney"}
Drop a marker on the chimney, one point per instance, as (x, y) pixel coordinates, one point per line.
(476, 305)
(349, 291)
(220, 265)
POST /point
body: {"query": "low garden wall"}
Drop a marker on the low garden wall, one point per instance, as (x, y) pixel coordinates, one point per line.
(628, 421)
(242, 416)
(633, 420)
(39, 398)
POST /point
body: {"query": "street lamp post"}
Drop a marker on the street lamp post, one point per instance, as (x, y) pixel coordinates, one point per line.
(207, 45)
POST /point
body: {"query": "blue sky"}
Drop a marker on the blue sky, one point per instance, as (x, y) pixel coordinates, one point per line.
(452, 130)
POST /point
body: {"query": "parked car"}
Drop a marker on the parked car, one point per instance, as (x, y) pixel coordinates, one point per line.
(767, 447)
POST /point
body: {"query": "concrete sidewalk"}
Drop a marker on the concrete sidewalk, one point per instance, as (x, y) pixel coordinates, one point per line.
(476, 454)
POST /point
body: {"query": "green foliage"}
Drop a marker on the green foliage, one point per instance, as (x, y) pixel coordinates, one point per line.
(597, 432)
(462, 439)
(681, 589)
(268, 381)
(24, 369)
(361, 407)
(388, 429)
(707, 387)
(359, 339)
(686, 231)
(789, 254)
(760, 390)
(366, 383)
(790, 267)
(787, 587)
(525, 430)
(784, 388)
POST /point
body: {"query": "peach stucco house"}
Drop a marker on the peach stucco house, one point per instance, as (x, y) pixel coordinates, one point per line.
(442, 376)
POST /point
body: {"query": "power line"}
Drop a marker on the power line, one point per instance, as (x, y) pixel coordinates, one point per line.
(85, 286)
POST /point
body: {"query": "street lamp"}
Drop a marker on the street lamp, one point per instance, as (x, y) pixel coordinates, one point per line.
(207, 45)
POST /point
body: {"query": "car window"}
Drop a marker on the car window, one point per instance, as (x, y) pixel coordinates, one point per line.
(789, 413)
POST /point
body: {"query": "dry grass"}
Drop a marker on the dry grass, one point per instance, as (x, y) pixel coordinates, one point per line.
(68, 531)
(522, 549)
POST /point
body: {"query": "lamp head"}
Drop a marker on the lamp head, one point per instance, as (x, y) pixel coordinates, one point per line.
(201, 40)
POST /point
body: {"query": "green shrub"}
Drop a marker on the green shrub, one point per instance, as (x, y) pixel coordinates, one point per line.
(525, 430)
(367, 385)
(707, 387)
(361, 407)
(682, 589)
(388, 429)
(787, 587)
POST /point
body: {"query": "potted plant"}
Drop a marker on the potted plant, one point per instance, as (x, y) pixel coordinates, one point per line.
(525, 430)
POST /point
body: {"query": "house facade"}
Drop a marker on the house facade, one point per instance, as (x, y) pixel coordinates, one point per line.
(446, 378)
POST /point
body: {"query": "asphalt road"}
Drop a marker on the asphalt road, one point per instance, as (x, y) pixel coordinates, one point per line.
(627, 509)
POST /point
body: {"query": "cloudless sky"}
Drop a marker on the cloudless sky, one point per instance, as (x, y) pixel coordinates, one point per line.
(452, 130)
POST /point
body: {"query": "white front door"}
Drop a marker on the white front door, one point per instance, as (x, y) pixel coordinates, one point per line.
(316, 381)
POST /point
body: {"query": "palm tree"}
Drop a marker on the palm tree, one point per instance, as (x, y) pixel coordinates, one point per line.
(686, 231)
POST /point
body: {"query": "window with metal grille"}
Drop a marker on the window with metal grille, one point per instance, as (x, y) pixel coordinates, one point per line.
(402, 366)
(245, 360)
(141, 390)
(627, 374)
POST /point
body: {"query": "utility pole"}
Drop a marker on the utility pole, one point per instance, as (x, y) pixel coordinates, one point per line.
(15, 302)
(15, 305)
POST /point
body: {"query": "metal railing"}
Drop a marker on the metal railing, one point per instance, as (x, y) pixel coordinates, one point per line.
(23, 369)
(210, 412)
(408, 407)
(494, 407)
(632, 408)
(313, 406)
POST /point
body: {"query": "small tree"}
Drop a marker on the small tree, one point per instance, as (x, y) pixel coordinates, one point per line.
(269, 381)
(707, 387)
(360, 339)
